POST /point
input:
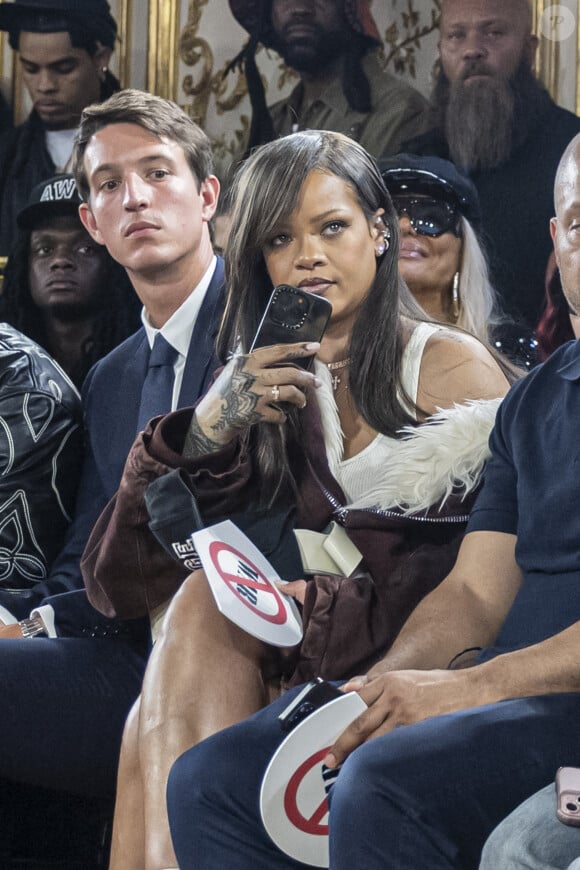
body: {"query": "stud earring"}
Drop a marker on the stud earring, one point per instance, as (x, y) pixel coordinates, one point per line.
(455, 300)
(383, 246)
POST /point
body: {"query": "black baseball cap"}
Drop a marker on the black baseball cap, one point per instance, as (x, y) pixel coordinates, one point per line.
(431, 176)
(55, 196)
(51, 16)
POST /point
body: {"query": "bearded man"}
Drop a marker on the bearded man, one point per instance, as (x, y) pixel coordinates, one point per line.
(494, 119)
(343, 87)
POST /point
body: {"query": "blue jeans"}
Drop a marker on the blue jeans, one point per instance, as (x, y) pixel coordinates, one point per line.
(532, 837)
(423, 796)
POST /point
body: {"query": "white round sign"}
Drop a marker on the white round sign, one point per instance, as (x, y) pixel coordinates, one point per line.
(243, 584)
(295, 786)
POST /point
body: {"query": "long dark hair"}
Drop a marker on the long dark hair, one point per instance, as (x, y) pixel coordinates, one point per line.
(265, 193)
(117, 316)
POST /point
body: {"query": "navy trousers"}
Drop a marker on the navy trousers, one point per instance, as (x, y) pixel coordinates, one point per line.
(425, 795)
(63, 705)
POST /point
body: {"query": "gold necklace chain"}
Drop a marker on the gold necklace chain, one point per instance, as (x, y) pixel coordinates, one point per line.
(340, 364)
(334, 366)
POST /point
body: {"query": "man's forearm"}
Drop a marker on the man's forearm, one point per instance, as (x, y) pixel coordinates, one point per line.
(545, 668)
(443, 625)
(403, 697)
(465, 611)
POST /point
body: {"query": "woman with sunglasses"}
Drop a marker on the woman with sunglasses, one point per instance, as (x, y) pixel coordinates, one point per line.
(310, 210)
(440, 257)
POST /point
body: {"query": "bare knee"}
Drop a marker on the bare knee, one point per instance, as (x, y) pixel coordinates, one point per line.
(192, 603)
(193, 620)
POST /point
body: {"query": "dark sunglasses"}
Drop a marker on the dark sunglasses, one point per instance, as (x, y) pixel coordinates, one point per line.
(429, 217)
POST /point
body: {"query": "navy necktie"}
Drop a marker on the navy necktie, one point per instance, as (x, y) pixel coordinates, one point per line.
(157, 391)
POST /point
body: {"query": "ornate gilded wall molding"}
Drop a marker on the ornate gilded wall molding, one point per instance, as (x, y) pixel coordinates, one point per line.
(403, 38)
(196, 52)
(162, 57)
(125, 45)
(222, 88)
(548, 58)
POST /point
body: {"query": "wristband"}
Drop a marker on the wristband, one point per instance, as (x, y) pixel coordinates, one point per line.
(32, 627)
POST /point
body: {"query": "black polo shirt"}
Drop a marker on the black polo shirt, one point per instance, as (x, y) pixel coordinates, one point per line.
(532, 489)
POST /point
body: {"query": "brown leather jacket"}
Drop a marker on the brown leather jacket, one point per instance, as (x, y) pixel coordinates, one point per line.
(349, 623)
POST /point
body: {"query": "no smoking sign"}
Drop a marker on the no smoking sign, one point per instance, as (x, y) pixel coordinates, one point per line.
(243, 584)
(293, 798)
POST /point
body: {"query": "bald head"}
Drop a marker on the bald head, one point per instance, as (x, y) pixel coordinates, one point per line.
(520, 11)
(566, 179)
(565, 227)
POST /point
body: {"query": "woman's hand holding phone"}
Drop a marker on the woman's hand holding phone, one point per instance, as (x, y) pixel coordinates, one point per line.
(255, 387)
(249, 390)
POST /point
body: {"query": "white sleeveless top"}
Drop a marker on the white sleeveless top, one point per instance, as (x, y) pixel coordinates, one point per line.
(358, 475)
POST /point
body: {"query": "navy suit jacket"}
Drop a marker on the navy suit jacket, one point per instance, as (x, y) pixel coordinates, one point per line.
(111, 398)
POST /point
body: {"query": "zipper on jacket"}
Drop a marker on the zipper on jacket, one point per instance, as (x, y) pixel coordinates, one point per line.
(342, 513)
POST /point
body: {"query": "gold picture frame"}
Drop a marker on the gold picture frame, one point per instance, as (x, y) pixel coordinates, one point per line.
(164, 22)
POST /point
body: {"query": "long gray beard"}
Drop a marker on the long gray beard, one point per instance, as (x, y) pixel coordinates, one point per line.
(486, 121)
(479, 123)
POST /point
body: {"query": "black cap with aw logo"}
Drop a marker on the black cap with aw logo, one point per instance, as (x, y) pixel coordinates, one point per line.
(55, 196)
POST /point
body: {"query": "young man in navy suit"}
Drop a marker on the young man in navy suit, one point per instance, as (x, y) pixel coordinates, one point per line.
(144, 170)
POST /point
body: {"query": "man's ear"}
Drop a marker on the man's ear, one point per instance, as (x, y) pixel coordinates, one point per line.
(209, 192)
(102, 58)
(88, 221)
(531, 49)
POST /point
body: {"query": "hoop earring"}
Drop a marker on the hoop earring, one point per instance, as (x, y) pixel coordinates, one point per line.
(455, 300)
(103, 73)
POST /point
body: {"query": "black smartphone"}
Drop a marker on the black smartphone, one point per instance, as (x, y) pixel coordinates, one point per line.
(293, 315)
(315, 694)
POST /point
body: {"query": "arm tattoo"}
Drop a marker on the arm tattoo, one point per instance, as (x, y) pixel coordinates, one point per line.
(197, 443)
(238, 411)
(238, 400)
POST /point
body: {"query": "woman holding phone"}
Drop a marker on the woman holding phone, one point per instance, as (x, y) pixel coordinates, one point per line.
(386, 436)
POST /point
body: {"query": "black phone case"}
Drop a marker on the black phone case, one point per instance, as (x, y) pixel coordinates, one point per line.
(293, 315)
(314, 695)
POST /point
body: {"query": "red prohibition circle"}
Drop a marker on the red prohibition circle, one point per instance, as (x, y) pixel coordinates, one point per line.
(308, 824)
(216, 548)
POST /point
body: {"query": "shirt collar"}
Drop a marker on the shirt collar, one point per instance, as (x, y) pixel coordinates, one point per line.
(570, 370)
(179, 328)
(331, 94)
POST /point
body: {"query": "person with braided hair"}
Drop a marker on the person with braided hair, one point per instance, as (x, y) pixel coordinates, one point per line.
(343, 87)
